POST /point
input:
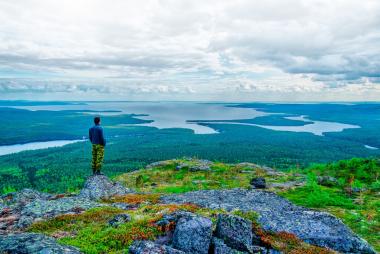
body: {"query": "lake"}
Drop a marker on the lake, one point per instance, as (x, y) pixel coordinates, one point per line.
(180, 115)
(4, 150)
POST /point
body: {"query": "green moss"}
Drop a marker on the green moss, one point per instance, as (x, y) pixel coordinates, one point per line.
(358, 211)
(249, 215)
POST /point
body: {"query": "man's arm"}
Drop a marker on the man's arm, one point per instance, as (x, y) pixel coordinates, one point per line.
(90, 134)
(102, 137)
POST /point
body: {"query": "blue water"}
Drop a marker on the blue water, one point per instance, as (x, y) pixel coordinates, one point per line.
(34, 146)
(178, 115)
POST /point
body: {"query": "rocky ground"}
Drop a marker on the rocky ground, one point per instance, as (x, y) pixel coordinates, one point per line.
(186, 232)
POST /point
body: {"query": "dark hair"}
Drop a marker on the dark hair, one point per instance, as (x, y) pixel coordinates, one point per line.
(97, 120)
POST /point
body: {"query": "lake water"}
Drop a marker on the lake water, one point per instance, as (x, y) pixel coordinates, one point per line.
(178, 115)
(34, 146)
(316, 127)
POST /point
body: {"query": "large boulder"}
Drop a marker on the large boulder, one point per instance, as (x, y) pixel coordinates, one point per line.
(219, 247)
(33, 243)
(193, 234)
(149, 247)
(235, 231)
(278, 214)
(101, 187)
(258, 183)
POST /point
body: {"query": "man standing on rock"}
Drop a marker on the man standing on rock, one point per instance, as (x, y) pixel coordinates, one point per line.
(98, 143)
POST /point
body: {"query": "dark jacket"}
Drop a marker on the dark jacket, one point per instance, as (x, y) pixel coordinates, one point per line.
(96, 135)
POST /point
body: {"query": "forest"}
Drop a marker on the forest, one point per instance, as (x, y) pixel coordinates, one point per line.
(63, 169)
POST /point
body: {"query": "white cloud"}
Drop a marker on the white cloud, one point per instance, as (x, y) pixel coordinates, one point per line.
(190, 49)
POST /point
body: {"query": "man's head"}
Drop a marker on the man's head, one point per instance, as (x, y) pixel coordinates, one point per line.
(97, 120)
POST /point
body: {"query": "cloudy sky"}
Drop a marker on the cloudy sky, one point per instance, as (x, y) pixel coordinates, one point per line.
(237, 50)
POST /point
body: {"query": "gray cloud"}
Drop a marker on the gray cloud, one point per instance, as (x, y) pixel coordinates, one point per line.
(200, 48)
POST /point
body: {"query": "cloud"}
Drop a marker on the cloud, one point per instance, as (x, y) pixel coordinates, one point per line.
(201, 49)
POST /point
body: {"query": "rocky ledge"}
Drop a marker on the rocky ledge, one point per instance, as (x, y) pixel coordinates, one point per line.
(20, 209)
(192, 233)
(33, 243)
(279, 215)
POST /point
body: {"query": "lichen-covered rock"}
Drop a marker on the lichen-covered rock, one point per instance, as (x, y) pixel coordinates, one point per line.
(258, 183)
(43, 209)
(195, 165)
(149, 247)
(235, 231)
(119, 219)
(33, 243)
(219, 247)
(277, 214)
(100, 186)
(159, 164)
(193, 235)
(23, 197)
(173, 217)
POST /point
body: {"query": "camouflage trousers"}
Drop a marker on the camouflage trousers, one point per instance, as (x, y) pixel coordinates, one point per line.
(97, 157)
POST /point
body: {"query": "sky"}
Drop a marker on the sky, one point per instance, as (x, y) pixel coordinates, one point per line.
(237, 50)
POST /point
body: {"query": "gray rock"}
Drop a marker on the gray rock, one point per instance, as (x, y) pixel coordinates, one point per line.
(287, 185)
(235, 231)
(149, 247)
(23, 197)
(100, 186)
(119, 219)
(43, 209)
(33, 243)
(327, 180)
(268, 170)
(159, 164)
(277, 214)
(174, 217)
(219, 247)
(193, 235)
(258, 182)
(195, 165)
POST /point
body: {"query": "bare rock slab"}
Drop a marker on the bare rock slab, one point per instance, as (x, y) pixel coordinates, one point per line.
(278, 214)
(33, 243)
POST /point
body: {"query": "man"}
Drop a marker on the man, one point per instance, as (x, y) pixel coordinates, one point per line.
(98, 143)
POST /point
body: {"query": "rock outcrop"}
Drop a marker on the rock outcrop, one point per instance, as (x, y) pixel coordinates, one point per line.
(100, 187)
(186, 232)
(22, 208)
(277, 214)
(235, 231)
(258, 183)
(33, 243)
(193, 234)
(149, 247)
(44, 209)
